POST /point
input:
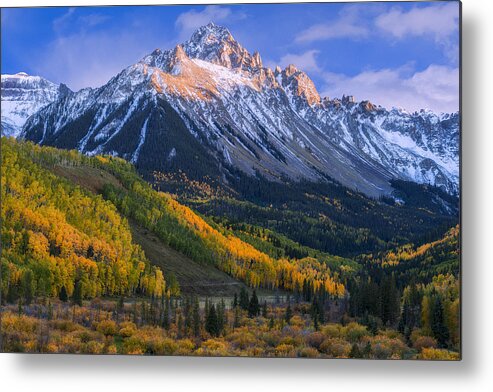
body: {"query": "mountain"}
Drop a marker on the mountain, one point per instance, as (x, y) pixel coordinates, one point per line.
(22, 96)
(211, 109)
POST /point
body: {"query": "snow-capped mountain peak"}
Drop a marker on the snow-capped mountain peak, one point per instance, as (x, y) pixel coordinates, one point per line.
(208, 105)
(23, 95)
(215, 44)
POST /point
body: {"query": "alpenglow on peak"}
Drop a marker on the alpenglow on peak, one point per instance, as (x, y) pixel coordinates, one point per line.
(211, 108)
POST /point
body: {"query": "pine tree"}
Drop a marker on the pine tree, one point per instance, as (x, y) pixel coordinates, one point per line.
(438, 327)
(77, 294)
(211, 323)
(221, 315)
(236, 323)
(63, 296)
(12, 293)
(289, 314)
(235, 301)
(271, 322)
(27, 287)
(253, 306)
(264, 309)
(196, 317)
(244, 299)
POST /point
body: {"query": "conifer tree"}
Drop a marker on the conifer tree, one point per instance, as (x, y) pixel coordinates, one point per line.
(253, 306)
(221, 315)
(211, 324)
(77, 294)
(27, 287)
(63, 296)
(196, 317)
(264, 309)
(244, 299)
(288, 314)
(438, 327)
(236, 323)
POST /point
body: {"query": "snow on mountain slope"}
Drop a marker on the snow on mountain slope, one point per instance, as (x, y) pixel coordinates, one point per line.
(22, 96)
(209, 105)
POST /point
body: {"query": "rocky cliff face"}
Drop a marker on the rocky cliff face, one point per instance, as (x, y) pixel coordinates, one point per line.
(209, 107)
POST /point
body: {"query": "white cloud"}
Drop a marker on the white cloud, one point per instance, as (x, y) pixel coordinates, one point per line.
(438, 20)
(189, 21)
(92, 20)
(348, 25)
(62, 22)
(306, 61)
(435, 88)
(71, 20)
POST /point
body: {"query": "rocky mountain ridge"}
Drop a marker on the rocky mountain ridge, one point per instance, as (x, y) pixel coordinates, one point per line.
(210, 107)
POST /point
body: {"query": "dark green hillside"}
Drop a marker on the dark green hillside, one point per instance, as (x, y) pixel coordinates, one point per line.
(417, 263)
(328, 216)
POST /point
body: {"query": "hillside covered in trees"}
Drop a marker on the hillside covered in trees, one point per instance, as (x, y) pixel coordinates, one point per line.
(334, 258)
(58, 238)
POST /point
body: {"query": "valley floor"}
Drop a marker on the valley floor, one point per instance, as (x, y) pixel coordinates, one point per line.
(140, 328)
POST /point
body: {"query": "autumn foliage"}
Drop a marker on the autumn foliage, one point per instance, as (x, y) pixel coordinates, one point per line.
(55, 234)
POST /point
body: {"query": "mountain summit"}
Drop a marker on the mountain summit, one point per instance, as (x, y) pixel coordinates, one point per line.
(211, 109)
(22, 96)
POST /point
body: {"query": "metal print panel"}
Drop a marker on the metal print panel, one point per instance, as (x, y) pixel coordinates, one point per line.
(274, 180)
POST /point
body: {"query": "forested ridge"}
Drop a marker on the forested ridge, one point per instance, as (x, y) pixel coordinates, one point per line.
(175, 224)
(64, 241)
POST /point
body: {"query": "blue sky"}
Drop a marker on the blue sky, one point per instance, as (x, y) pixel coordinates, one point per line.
(395, 54)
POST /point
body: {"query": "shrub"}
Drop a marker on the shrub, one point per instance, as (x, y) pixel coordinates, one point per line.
(308, 352)
(213, 347)
(332, 330)
(335, 348)
(107, 327)
(438, 354)
(315, 339)
(424, 342)
(285, 350)
(354, 332)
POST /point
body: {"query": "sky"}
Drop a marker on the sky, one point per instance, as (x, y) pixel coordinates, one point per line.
(397, 54)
